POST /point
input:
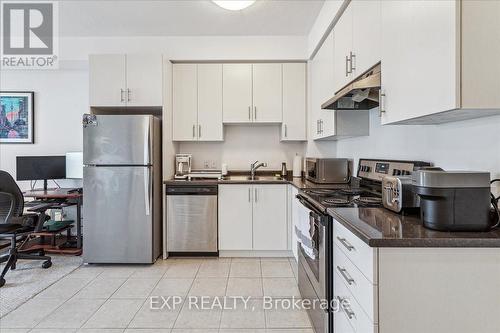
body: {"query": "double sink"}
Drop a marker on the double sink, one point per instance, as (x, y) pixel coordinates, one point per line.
(255, 178)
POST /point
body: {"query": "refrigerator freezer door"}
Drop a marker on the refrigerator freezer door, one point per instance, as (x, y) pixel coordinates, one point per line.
(117, 140)
(118, 215)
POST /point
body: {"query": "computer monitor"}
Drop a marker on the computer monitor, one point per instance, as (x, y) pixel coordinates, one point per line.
(74, 165)
(40, 168)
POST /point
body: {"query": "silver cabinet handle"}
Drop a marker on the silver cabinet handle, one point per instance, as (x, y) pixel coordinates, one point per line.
(199, 131)
(194, 131)
(317, 126)
(128, 95)
(249, 195)
(352, 58)
(249, 113)
(255, 191)
(346, 66)
(255, 113)
(286, 131)
(122, 99)
(381, 98)
(345, 275)
(347, 309)
(344, 242)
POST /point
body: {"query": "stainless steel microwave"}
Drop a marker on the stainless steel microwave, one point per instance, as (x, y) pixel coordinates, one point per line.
(328, 170)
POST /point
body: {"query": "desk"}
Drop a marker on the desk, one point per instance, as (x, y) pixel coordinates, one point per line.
(70, 199)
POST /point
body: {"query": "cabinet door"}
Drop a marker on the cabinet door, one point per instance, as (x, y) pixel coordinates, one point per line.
(419, 56)
(107, 80)
(267, 93)
(235, 217)
(294, 103)
(184, 102)
(144, 80)
(210, 102)
(237, 93)
(269, 217)
(342, 35)
(365, 34)
(322, 81)
(295, 215)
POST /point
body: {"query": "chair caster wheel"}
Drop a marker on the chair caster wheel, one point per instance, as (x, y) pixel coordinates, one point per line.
(47, 264)
(41, 253)
(2, 282)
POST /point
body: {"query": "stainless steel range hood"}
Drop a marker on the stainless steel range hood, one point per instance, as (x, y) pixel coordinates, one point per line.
(360, 94)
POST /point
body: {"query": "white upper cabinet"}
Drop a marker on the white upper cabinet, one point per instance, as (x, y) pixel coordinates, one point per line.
(197, 102)
(118, 80)
(419, 58)
(237, 93)
(108, 81)
(184, 102)
(144, 80)
(365, 35)
(210, 102)
(294, 126)
(342, 36)
(437, 66)
(267, 90)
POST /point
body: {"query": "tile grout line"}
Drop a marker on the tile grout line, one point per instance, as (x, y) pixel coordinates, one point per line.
(184, 302)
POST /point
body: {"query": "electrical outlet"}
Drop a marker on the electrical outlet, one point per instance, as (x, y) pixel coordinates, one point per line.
(214, 164)
(206, 164)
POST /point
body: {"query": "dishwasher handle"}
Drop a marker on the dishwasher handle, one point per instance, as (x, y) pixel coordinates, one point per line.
(192, 190)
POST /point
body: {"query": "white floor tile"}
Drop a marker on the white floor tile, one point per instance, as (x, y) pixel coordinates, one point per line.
(154, 318)
(214, 269)
(136, 288)
(65, 288)
(115, 313)
(244, 287)
(276, 269)
(249, 316)
(182, 269)
(101, 288)
(287, 318)
(172, 287)
(280, 287)
(31, 313)
(72, 314)
(198, 318)
(245, 269)
(208, 287)
(118, 271)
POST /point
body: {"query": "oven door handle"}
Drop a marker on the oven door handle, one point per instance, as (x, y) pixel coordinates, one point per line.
(307, 204)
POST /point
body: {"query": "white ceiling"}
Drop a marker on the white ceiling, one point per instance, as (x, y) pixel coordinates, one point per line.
(185, 18)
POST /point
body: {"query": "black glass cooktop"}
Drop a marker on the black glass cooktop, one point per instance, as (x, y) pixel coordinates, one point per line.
(346, 197)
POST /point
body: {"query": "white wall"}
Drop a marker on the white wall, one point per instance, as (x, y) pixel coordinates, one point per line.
(244, 144)
(466, 145)
(61, 97)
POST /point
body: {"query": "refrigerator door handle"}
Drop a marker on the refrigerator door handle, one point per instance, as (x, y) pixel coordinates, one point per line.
(146, 143)
(147, 177)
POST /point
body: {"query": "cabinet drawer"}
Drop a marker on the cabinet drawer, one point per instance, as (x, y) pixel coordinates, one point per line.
(363, 290)
(351, 308)
(341, 323)
(360, 254)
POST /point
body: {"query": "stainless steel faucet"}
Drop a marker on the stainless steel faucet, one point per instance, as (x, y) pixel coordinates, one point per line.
(254, 166)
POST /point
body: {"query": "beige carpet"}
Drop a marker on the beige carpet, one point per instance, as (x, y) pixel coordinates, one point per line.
(29, 279)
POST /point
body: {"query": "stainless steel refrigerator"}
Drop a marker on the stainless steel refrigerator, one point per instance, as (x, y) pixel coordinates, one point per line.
(122, 188)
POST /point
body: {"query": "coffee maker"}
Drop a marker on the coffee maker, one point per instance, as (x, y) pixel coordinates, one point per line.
(182, 166)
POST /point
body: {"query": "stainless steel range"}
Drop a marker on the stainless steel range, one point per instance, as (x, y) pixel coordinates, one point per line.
(315, 247)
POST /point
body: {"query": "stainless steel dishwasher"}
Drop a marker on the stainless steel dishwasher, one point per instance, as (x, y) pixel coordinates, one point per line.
(192, 219)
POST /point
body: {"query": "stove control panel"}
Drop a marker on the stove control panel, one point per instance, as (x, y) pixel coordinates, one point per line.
(378, 169)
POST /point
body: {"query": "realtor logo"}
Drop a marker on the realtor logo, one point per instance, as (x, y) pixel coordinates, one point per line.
(29, 31)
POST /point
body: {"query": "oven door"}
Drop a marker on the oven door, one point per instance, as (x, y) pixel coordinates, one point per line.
(312, 169)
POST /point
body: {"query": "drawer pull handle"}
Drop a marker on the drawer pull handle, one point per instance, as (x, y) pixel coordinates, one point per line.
(344, 305)
(345, 275)
(344, 242)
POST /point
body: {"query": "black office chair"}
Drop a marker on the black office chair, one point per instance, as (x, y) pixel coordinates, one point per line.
(16, 227)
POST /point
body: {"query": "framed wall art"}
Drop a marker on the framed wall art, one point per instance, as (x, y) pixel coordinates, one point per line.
(17, 117)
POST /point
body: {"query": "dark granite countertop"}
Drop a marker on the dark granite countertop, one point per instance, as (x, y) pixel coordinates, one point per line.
(379, 227)
(299, 183)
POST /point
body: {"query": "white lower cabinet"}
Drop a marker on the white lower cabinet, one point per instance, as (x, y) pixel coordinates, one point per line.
(252, 217)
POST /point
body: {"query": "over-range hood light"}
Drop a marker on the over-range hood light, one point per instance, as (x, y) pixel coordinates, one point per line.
(360, 94)
(234, 4)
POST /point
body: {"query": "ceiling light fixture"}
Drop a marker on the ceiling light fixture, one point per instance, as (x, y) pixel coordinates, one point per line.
(234, 4)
